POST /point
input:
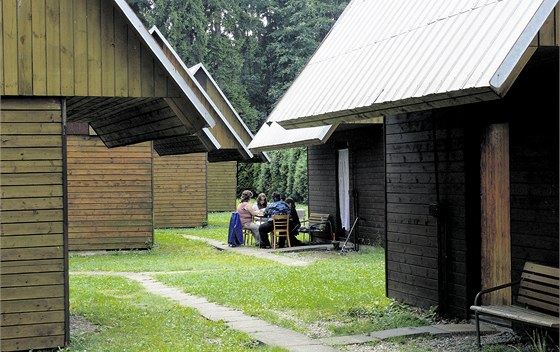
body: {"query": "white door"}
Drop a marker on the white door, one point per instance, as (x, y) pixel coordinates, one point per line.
(344, 188)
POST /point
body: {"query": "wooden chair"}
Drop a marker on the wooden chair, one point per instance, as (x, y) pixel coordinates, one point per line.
(281, 228)
(248, 237)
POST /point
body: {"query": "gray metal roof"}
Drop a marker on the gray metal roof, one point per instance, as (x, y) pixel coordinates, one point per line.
(272, 136)
(393, 56)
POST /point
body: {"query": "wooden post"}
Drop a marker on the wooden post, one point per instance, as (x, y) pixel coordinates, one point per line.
(495, 212)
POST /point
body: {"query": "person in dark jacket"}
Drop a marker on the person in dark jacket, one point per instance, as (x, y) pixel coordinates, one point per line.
(295, 225)
(277, 207)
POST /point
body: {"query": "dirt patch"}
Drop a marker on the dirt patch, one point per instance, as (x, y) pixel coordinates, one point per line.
(80, 325)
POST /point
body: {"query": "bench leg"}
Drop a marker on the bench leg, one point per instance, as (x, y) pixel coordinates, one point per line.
(477, 329)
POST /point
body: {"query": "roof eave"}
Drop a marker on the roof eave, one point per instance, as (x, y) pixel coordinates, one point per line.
(409, 105)
(135, 22)
(521, 51)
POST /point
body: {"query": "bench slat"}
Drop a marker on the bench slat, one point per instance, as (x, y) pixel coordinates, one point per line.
(534, 277)
(532, 301)
(546, 270)
(519, 314)
(538, 286)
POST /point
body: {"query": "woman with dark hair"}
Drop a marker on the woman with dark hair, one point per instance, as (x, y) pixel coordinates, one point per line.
(246, 214)
(277, 207)
(261, 202)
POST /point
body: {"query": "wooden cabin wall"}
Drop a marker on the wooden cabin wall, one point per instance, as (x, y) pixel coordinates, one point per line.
(322, 179)
(411, 252)
(180, 190)
(33, 264)
(534, 162)
(222, 186)
(55, 48)
(424, 221)
(433, 257)
(109, 195)
(367, 180)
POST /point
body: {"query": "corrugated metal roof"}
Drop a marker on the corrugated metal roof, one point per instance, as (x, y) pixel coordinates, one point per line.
(272, 136)
(394, 56)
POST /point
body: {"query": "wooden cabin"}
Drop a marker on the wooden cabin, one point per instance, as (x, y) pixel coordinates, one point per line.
(50, 74)
(109, 191)
(180, 190)
(222, 186)
(218, 184)
(187, 187)
(469, 99)
(346, 178)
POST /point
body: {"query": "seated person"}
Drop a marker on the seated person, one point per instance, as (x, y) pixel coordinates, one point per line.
(261, 202)
(295, 224)
(246, 213)
(277, 207)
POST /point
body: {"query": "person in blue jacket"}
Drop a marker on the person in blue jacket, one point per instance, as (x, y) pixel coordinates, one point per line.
(277, 207)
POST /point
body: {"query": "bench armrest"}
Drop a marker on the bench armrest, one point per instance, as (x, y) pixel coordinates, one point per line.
(492, 289)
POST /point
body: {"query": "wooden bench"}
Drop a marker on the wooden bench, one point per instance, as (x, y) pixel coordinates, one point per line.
(318, 223)
(537, 299)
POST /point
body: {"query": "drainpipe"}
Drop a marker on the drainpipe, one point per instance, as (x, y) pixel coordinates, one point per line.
(385, 241)
(438, 212)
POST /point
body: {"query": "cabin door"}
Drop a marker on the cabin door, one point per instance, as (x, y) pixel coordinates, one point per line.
(344, 188)
(495, 212)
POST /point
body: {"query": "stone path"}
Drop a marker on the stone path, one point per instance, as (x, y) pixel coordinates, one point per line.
(271, 334)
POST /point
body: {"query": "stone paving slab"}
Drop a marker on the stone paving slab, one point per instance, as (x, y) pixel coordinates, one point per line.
(269, 254)
(256, 328)
(439, 330)
(274, 335)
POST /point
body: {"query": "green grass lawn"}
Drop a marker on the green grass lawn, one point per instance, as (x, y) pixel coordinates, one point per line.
(341, 294)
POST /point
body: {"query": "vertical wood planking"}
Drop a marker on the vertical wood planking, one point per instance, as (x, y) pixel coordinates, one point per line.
(24, 49)
(147, 76)
(121, 58)
(11, 71)
(1, 54)
(557, 25)
(54, 69)
(134, 65)
(11, 68)
(160, 81)
(495, 212)
(80, 48)
(38, 28)
(67, 47)
(107, 51)
(546, 33)
(94, 47)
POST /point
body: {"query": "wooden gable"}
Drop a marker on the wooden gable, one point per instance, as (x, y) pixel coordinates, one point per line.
(231, 146)
(93, 52)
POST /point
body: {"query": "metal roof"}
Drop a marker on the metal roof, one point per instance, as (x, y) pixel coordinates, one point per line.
(393, 56)
(272, 136)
